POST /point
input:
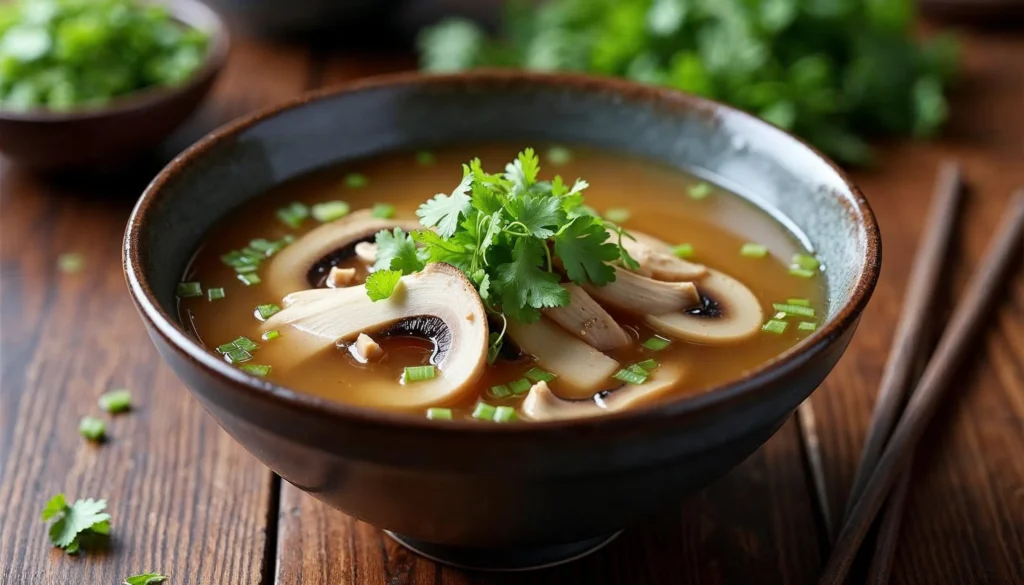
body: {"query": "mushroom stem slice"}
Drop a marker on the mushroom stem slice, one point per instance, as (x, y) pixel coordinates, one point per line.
(586, 319)
(366, 252)
(340, 277)
(732, 314)
(542, 404)
(644, 296)
(657, 260)
(582, 370)
(438, 302)
(289, 270)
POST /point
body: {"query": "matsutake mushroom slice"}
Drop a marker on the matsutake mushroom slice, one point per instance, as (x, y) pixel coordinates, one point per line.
(640, 295)
(542, 404)
(438, 303)
(301, 264)
(582, 370)
(729, 313)
(586, 319)
(657, 261)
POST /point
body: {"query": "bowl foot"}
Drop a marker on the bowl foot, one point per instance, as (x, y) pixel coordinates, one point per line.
(512, 559)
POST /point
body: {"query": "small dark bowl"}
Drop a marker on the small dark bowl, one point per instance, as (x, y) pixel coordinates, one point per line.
(522, 485)
(117, 133)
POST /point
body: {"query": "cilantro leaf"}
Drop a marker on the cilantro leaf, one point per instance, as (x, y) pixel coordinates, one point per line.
(454, 251)
(145, 579)
(382, 284)
(82, 519)
(538, 214)
(522, 172)
(584, 252)
(396, 250)
(525, 287)
(443, 211)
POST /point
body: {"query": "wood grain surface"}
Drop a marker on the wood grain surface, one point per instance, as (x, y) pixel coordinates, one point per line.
(188, 501)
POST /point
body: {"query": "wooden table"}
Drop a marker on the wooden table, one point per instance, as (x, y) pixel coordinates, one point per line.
(186, 500)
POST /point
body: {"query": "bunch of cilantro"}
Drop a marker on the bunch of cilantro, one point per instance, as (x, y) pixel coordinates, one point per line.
(506, 232)
(836, 72)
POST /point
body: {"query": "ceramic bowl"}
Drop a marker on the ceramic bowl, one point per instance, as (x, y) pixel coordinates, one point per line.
(524, 494)
(106, 137)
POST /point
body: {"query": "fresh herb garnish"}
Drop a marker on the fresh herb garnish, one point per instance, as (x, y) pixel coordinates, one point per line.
(145, 579)
(75, 526)
(382, 284)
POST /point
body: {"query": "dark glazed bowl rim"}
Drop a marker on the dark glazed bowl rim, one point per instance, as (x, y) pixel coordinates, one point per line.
(191, 13)
(742, 388)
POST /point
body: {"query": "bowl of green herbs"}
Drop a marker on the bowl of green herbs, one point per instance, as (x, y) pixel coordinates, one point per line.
(93, 83)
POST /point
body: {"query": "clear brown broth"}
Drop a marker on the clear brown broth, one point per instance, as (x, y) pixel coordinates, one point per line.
(656, 196)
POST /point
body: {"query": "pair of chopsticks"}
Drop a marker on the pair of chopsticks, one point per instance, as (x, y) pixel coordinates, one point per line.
(884, 471)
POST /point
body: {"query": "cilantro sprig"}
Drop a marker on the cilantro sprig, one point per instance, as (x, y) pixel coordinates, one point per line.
(76, 525)
(505, 231)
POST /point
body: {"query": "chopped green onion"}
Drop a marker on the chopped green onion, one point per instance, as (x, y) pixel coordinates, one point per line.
(801, 272)
(805, 261)
(425, 158)
(648, 365)
(222, 349)
(637, 370)
(293, 215)
(807, 326)
(245, 343)
(700, 191)
(539, 375)
(237, 356)
(617, 215)
(420, 373)
(70, 263)
(383, 210)
(504, 414)
(92, 428)
(799, 302)
(271, 334)
(263, 245)
(500, 391)
(775, 326)
(356, 181)
(249, 279)
(257, 370)
(631, 376)
(189, 289)
(246, 268)
(483, 411)
(264, 312)
(330, 211)
(439, 413)
(780, 315)
(116, 401)
(214, 294)
(657, 343)
(683, 251)
(520, 386)
(559, 155)
(751, 250)
(794, 309)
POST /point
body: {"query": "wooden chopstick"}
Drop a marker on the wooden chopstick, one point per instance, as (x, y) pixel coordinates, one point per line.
(897, 379)
(889, 531)
(807, 423)
(967, 320)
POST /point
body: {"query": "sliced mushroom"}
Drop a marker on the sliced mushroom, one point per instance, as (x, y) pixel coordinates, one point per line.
(303, 263)
(644, 296)
(542, 404)
(581, 369)
(729, 313)
(438, 303)
(657, 260)
(366, 252)
(340, 277)
(586, 319)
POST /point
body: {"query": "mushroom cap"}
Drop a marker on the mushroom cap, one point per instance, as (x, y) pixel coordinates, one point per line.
(439, 301)
(657, 260)
(586, 319)
(542, 404)
(290, 269)
(739, 315)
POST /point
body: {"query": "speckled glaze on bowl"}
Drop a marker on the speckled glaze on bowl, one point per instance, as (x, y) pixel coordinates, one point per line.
(110, 136)
(557, 482)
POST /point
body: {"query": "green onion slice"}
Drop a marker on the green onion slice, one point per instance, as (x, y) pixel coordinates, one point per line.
(356, 181)
(657, 343)
(539, 375)
(257, 370)
(293, 214)
(520, 386)
(189, 289)
(245, 343)
(683, 251)
(483, 411)
(807, 326)
(752, 250)
(504, 414)
(794, 309)
(559, 155)
(648, 365)
(801, 272)
(420, 373)
(237, 356)
(271, 334)
(214, 294)
(631, 376)
(799, 302)
(439, 413)
(700, 191)
(116, 401)
(264, 312)
(617, 215)
(500, 391)
(70, 263)
(330, 211)
(249, 279)
(92, 428)
(383, 210)
(775, 326)
(805, 261)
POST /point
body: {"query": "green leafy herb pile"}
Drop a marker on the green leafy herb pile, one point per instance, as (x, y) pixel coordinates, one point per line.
(85, 519)
(836, 72)
(59, 54)
(505, 232)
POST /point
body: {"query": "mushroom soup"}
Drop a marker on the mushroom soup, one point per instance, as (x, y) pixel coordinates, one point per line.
(511, 295)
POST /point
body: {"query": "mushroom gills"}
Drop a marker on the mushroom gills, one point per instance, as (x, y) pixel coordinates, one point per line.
(542, 404)
(640, 295)
(729, 313)
(439, 303)
(587, 320)
(582, 370)
(657, 261)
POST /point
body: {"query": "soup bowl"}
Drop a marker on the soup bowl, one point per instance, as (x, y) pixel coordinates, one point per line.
(485, 495)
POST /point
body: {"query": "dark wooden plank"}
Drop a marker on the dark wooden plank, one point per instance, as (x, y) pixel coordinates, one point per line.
(963, 514)
(185, 498)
